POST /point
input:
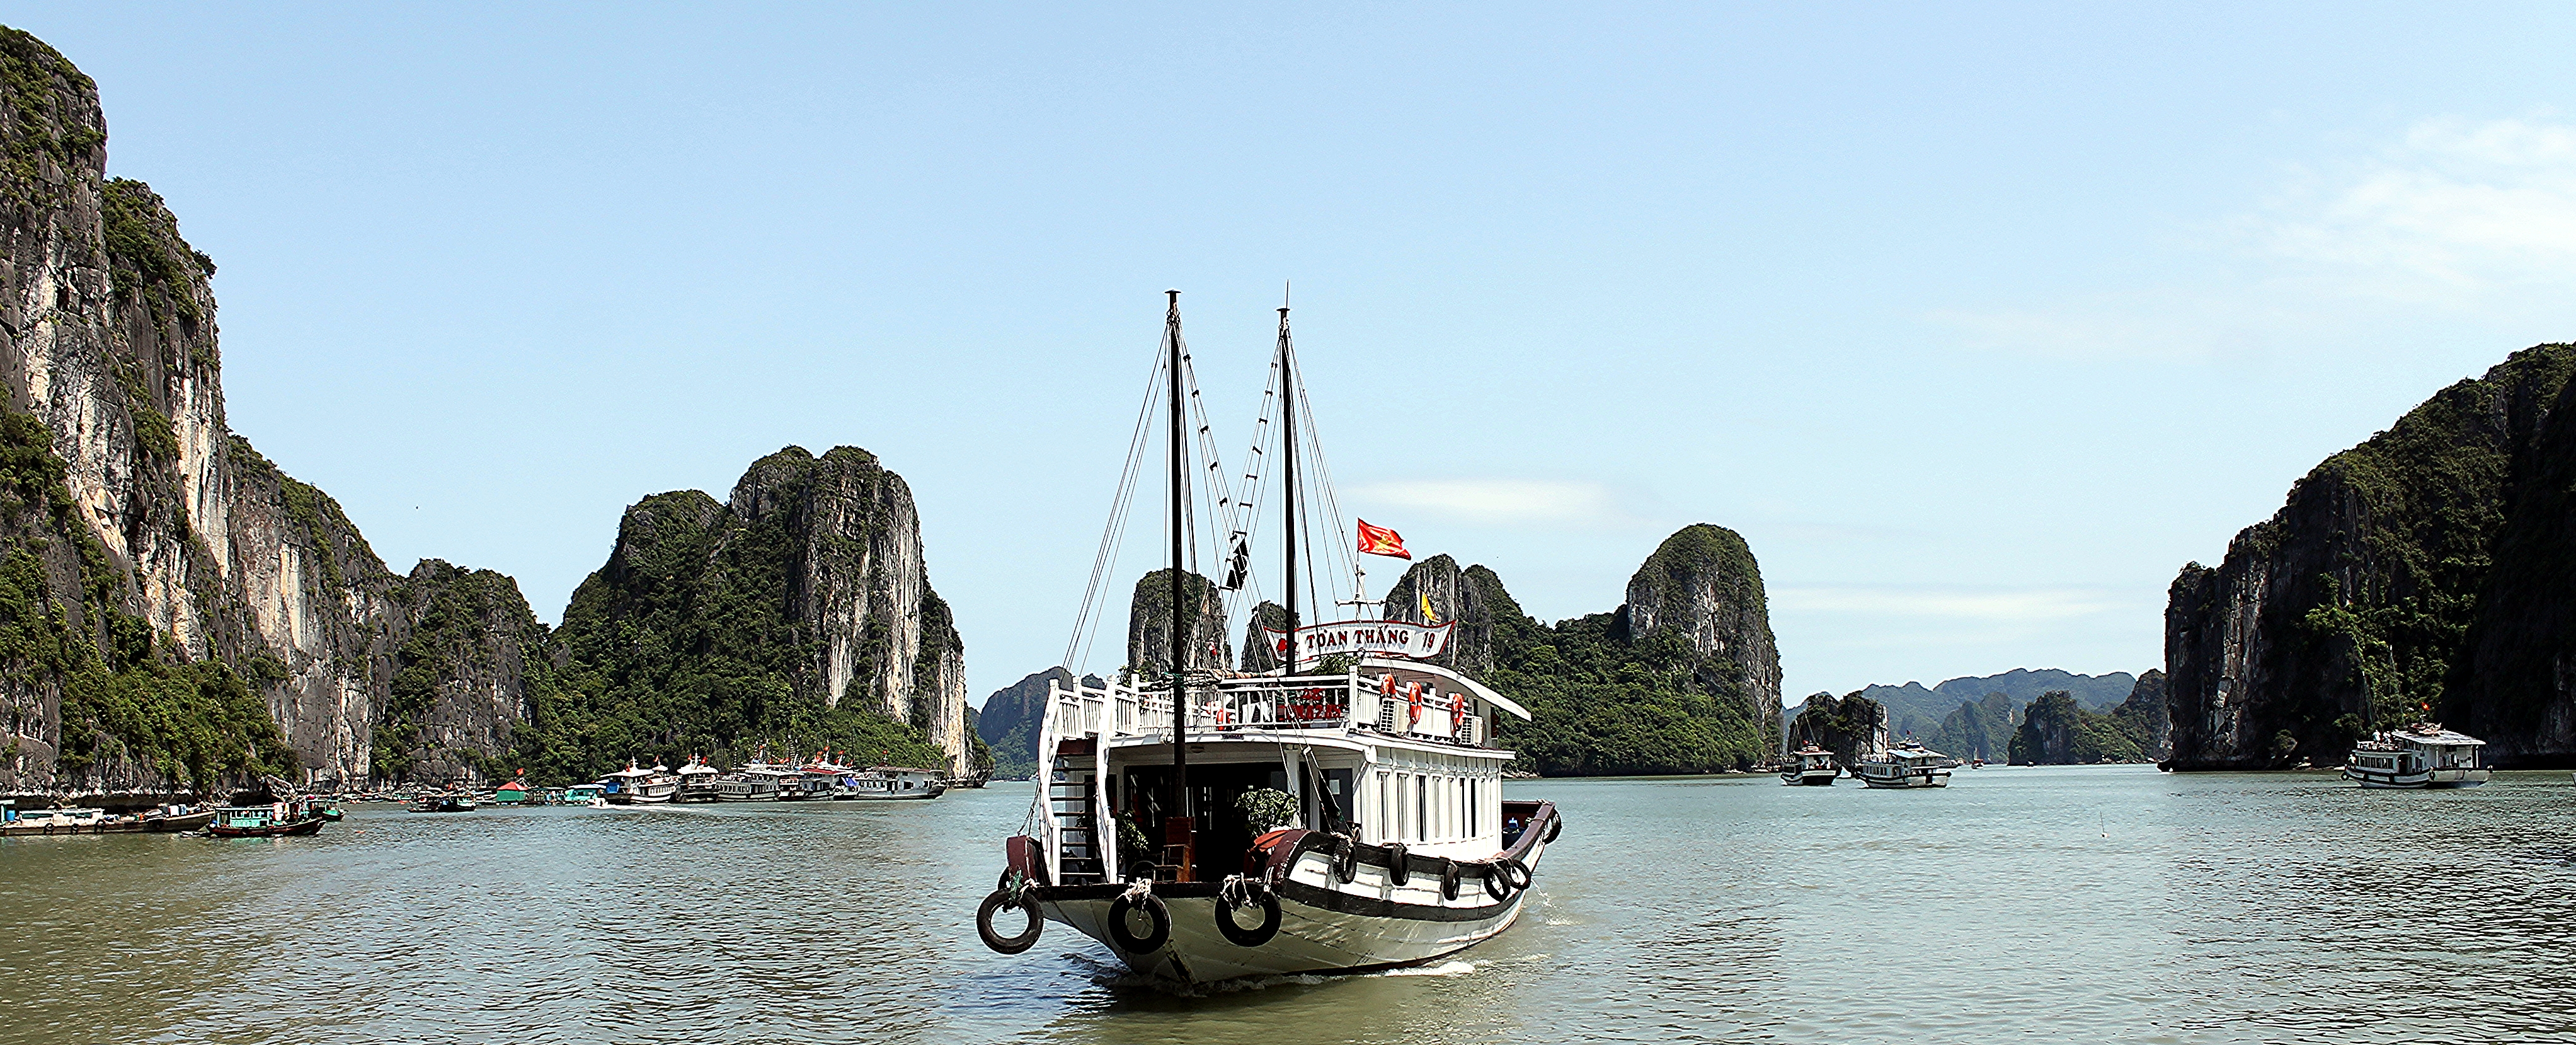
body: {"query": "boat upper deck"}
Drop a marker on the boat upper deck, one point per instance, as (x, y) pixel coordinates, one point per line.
(1377, 699)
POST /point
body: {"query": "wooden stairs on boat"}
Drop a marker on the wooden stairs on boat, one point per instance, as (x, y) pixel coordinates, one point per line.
(1070, 789)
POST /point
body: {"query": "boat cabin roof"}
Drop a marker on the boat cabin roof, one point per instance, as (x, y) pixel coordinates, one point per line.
(1418, 671)
(2433, 735)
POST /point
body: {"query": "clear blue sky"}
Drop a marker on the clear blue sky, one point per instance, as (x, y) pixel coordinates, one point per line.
(1976, 320)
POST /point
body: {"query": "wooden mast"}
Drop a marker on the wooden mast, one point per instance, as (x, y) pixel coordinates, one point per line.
(1288, 470)
(1180, 645)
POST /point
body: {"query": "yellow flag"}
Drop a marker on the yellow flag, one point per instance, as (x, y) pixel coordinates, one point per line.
(1429, 615)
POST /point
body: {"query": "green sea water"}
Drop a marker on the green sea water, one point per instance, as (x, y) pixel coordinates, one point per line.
(2110, 904)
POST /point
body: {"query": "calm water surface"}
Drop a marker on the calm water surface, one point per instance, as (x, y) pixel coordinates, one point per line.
(2096, 904)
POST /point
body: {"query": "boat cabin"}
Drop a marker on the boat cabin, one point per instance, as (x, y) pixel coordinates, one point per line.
(1394, 751)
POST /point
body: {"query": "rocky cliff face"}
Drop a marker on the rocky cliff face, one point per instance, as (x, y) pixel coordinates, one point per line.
(797, 614)
(1486, 615)
(1011, 719)
(2515, 681)
(1852, 728)
(180, 568)
(2144, 714)
(2350, 606)
(1703, 587)
(2049, 731)
(1149, 623)
(1684, 678)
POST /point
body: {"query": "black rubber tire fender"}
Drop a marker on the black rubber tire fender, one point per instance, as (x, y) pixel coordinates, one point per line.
(1000, 901)
(1518, 872)
(1498, 884)
(1236, 934)
(1346, 860)
(1449, 875)
(1555, 827)
(1399, 864)
(1155, 911)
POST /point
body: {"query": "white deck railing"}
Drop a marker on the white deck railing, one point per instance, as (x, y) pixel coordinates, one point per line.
(1267, 704)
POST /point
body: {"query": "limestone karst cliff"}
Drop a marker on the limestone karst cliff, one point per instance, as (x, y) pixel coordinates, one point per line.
(796, 614)
(2514, 682)
(2353, 605)
(191, 615)
(1852, 727)
(1149, 623)
(1010, 719)
(1683, 678)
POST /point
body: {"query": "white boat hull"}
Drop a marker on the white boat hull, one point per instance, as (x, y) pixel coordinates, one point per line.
(1935, 778)
(2432, 779)
(1325, 927)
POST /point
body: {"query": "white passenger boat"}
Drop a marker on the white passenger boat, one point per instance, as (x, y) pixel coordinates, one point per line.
(751, 784)
(2423, 755)
(1341, 813)
(697, 782)
(1811, 766)
(884, 782)
(1906, 765)
(632, 786)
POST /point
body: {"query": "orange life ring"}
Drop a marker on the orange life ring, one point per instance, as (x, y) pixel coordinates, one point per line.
(1413, 699)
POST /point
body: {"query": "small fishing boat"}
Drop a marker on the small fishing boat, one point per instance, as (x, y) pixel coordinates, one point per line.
(698, 782)
(587, 796)
(176, 818)
(444, 802)
(1906, 765)
(632, 786)
(884, 782)
(2420, 756)
(1812, 766)
(275, 820)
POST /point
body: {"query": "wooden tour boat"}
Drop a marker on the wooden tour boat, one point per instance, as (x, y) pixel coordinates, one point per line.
(2420, 756)
(1906, 765)
(1810, 766)
(698, 782)
(1340, 812)
(632, 786)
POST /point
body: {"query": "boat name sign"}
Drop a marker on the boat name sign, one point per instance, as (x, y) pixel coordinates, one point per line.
(1387, 637)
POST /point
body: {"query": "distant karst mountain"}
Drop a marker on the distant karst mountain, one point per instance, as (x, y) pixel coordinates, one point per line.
(1913, 709)
(1682, 678)
(797, 614)
(2426, 573)
(1010, 719)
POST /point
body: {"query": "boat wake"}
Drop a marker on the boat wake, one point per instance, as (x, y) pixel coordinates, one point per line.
(1116, 978)
(1450, 968)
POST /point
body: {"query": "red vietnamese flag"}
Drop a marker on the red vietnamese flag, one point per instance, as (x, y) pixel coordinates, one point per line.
(1378, 540)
